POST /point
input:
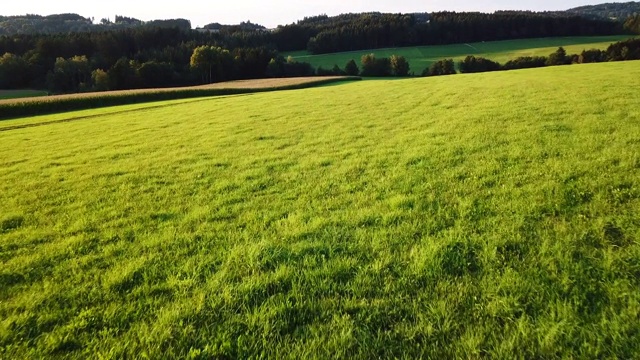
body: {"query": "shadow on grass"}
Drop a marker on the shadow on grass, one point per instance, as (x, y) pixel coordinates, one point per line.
(85, 117)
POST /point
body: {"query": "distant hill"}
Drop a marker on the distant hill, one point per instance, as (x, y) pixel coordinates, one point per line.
(613, 11)
(73, 23)
(303, 29)
(31, 24)
(243, 26)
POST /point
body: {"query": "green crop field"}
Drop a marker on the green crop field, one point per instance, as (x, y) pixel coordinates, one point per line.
(502, 51)
(469, 216)
(17, 94)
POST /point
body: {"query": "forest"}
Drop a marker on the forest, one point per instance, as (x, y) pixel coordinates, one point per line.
(128, 53)
(370, 31)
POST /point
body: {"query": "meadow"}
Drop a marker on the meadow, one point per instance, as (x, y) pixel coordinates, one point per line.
(422, 57)
(485, 215)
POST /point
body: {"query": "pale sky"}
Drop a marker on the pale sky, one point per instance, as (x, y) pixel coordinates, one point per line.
(269, 13)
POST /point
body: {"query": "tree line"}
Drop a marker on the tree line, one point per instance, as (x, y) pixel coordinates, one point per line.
(139, 57)
(620, 51)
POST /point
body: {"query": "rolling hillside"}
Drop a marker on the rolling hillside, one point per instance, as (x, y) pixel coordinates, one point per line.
(490, 215)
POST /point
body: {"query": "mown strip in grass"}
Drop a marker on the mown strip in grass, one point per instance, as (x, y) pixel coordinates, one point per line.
(11, 109)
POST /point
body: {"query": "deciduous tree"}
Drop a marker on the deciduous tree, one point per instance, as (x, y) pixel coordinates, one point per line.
(472, 64)
(371, 66)
(13, 71)
(123, 75)
(70, 75)
(399, 65)
(212, 63)
(442, 67)
(100, 80)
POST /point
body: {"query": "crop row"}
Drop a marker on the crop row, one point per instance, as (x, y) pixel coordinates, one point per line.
(17, 108)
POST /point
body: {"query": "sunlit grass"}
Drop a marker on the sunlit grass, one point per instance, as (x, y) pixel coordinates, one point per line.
(489, 215)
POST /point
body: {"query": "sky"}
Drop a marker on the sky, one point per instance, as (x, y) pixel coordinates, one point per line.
(269, 13)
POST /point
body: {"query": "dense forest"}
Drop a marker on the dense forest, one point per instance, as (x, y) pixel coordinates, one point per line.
(129, 53)
(370, 31)
(122, 59)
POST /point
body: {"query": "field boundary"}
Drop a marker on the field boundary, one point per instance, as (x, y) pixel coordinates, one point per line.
(85, 117)
(17, 108)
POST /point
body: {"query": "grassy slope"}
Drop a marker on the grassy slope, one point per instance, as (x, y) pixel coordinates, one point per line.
(482, 215)
(501, 51)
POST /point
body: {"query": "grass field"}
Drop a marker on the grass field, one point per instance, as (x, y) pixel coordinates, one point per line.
(502, 51)
(17, 94)
(487, 215)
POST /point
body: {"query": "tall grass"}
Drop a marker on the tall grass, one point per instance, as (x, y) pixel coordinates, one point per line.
(489, 215)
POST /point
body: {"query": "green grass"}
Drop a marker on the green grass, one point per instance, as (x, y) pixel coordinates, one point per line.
(502, 51)
(17, 94)
(487, 215)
